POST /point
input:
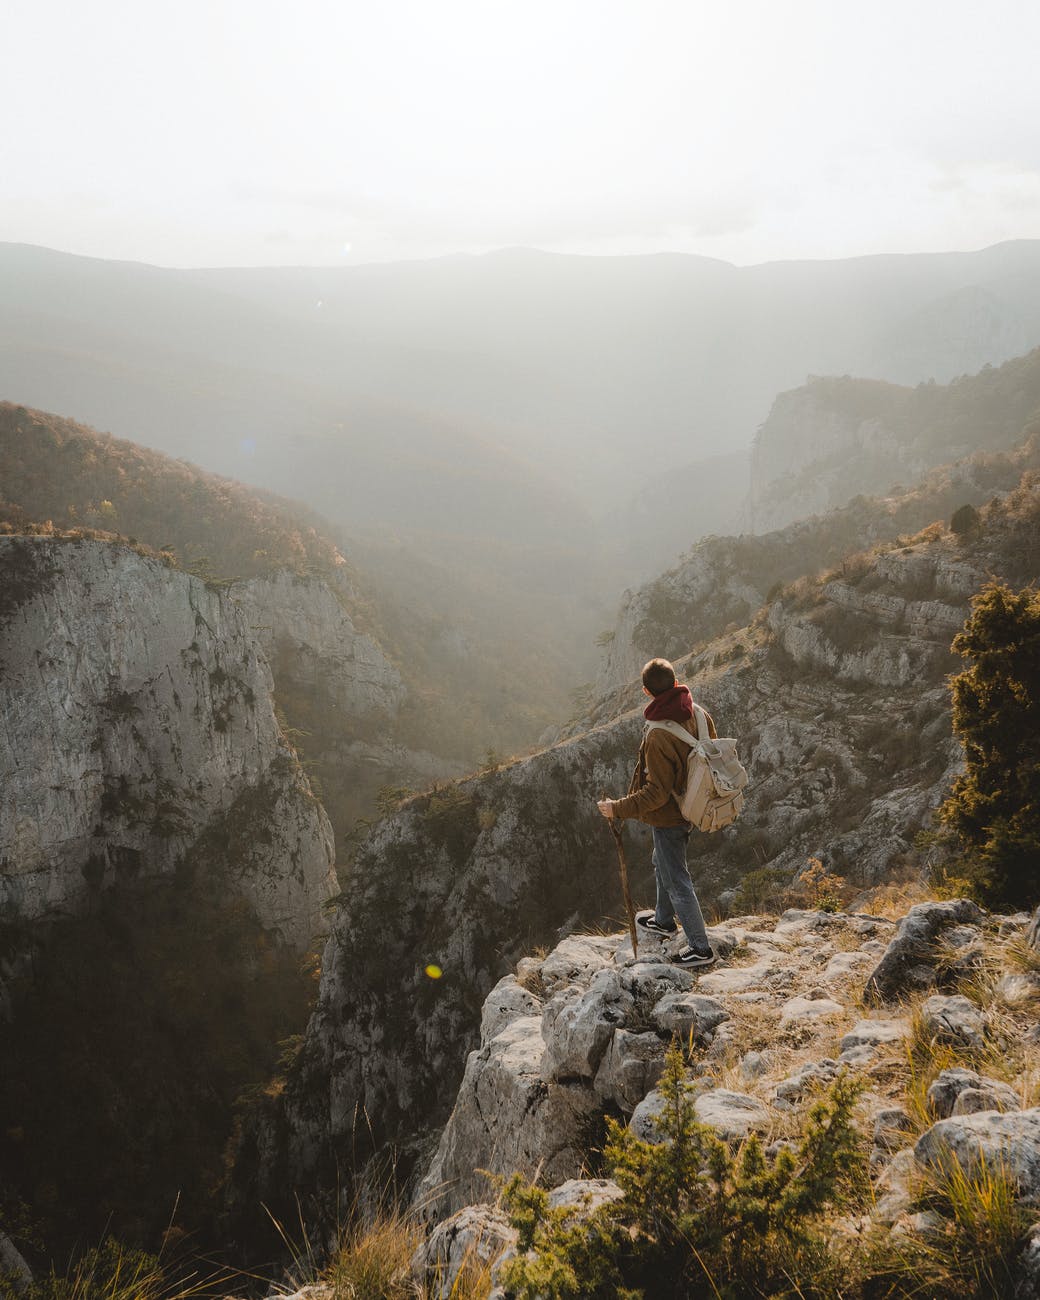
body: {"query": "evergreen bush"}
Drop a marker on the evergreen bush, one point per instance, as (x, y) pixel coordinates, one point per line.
(994, 807)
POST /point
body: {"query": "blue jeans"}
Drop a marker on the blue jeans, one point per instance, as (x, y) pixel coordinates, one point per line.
(675, 893)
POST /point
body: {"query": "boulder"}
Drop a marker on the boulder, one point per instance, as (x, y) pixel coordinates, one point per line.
(874, 1033)
(646, 1121)
(688, 1014)
(974, 1100)
(576, 959)
(1027, 1270)
(1011, 1142)
(507, 1117)
(801, 1010)
(891, 1126)
(843, 965)
(811, 1076)
(13, 1267)
(577, 1030)
(894, 1189)
(731, 1114)
(753, 1065)
(476, 1235)
(953, 1019)
(507, 1001)
(948, 1086)
(630, 1067)
(910, 958)
(584, 1195)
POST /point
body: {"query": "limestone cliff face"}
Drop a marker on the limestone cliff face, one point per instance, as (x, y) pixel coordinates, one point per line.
(305, 628)
(813, 454)
(836, 438)
(139, 739)
(839, 699)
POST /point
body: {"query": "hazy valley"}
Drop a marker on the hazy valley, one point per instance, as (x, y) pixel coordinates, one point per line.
(302, 872)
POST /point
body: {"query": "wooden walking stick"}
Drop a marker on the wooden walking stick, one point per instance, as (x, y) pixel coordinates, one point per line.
(616, 830)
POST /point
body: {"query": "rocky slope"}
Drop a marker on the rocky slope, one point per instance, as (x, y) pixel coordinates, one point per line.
(139, 740)
(722, 581)
(835, 438)
(948, 1051)
(839, 699)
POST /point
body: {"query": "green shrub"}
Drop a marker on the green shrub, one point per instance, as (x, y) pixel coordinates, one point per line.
(696, 1217)
(994, 807)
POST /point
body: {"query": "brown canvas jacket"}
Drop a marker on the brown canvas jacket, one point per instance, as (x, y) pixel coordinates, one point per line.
(660, 771)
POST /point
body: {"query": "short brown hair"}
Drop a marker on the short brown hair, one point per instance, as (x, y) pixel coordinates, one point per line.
(658, 676)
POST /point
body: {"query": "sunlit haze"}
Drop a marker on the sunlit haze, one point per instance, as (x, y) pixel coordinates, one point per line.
(235, 132)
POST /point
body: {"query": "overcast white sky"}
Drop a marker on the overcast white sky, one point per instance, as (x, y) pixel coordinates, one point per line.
(218, 132)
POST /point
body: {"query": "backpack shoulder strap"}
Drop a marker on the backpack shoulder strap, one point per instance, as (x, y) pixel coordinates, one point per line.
(703, 733)
(678, 730)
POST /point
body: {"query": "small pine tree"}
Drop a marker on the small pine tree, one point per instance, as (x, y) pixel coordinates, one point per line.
(695, 1215)
(994, 807)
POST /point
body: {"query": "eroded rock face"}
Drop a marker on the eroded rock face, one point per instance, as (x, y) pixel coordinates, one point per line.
(310, 635)
(139, 739)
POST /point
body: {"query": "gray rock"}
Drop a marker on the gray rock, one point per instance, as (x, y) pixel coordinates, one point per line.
(731, 1114)
(948, 1086)
(13, 1266)
(575, 960)
(974, 1100)
(894, 1189)
(1008, 1141)
(1027, 1270)
(577, 1031)
(476, 1234)
(1018, 988)
(954, 1020)
(891, 1126)
(961, 936)
(809, 1077)
(688, 1014)
(646, 1119)
(507, 1117)
(584, 1195)
(874, 1033)
(753, 1065)
(909, 960)
(507, 1001)
(843, 965)
(801, 1010)
(630, 1067)
(1033, 930)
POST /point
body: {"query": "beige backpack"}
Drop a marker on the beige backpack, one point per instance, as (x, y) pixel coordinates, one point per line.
(715, 778)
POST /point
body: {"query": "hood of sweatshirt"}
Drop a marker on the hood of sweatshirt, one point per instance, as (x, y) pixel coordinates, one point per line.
(675, 705)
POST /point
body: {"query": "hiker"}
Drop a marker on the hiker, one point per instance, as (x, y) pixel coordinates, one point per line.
(660, 772)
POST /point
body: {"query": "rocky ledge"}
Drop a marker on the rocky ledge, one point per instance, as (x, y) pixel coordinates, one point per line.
(937, 1012)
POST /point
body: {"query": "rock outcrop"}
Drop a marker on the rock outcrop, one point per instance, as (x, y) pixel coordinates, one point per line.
(538, 1089)
(139, 740)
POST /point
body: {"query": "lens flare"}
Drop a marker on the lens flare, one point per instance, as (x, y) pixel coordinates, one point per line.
(434, 972)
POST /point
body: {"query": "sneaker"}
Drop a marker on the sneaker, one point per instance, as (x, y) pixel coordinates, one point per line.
(687, 956)
(647, 922)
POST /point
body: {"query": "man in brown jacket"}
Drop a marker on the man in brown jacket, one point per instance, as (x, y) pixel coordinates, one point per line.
(651, 798)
